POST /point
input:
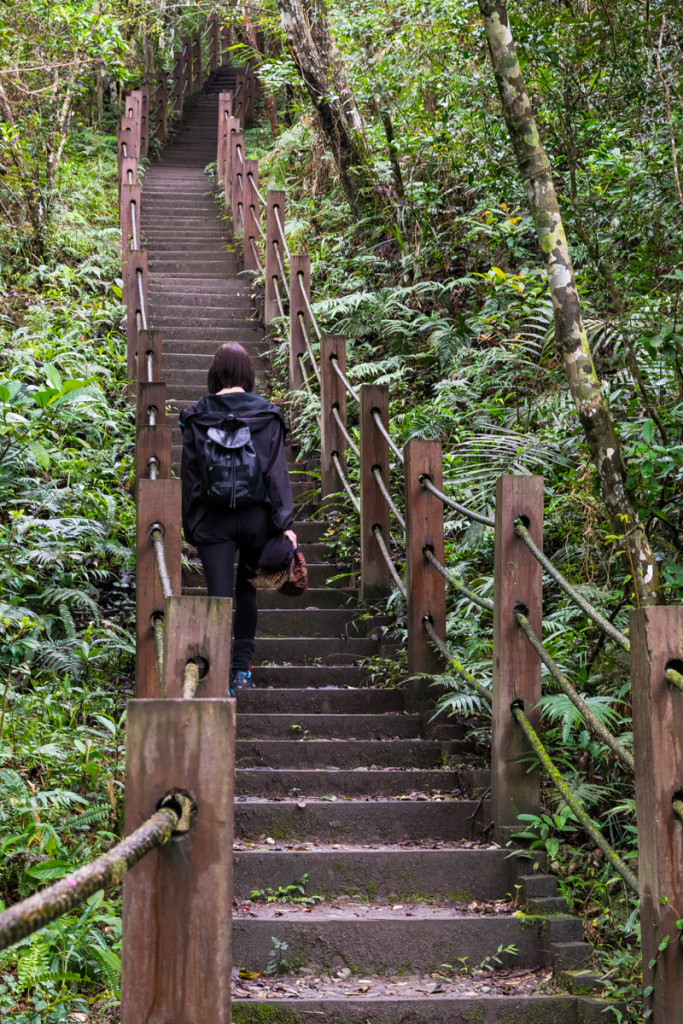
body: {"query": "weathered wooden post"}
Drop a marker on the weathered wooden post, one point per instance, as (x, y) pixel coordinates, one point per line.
(250, 95)
(136, 297)
(196, 63)
(213, 43)
(515, 789)
(144, 120)
(161, 107)
(375, 576)
(152, 443)
(232, 127)
(251, 215)
(424, 530)
(274, 210)
(226, 43)
(149, 356)
(129, 215)
(332, 397)
(177, 902)
(238, 106)
(656, 636)
(187, 67)
(237, 175)
(299, 317)
(198, 629)
(224, 112)
(178, 82)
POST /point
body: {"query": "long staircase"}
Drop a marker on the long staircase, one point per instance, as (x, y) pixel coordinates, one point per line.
(380, 810)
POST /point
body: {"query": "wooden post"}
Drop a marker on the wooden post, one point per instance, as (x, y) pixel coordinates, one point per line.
(159, 501)
(232, 127)
(187, 67)
(213, 43)
(178, 82)
(656, 644)
(129, 137)
(299, 317)
(151, 396)
(131, 195)
(424, 529)
(250, 96)
(375, 577)
(152, 443)
(161, 107)
(197, 628)
(149, 343)
(129, 170)
(332, 396)
(137, 260)
(177, 902)
(196, 63)
(237, 172)
(251, 215)
(224, 112)
(144, 120)
(226, 43)
(515, 789)
(276, 202)
(239, 103)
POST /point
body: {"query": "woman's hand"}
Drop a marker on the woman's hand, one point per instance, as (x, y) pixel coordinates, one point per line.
(292, 537)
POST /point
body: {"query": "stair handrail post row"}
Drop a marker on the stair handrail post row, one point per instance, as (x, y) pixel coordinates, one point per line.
(232, 128)
(134, 114)
(161, 107)
(187, 67)
(196, 63)
(150, 343)
(332, 396)
(375, 578)
(239, 106)
(152, 442)
(213, 43)
(299, 317)
(128, 164)
(425, 586)
(656, 636)
(137, 261)
(275, 204)
(251, 214)
(250, 95)
(177, 901)
(158, 501)
(198, 629)
(238, 175)
(518, 582)
(226, 43)
(131, 195)
(178, 83)
(144, 120)
(224, 112)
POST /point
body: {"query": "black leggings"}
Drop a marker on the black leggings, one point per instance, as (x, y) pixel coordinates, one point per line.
(245, 529)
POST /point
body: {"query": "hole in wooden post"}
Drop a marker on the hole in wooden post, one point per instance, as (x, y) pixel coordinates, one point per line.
(156, 526)
(184, 806)
(676, 665)
(522, 609)
(525, 521)
(517, 704)
(202, 664)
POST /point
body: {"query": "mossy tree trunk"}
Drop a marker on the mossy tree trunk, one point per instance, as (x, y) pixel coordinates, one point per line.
(570, 332)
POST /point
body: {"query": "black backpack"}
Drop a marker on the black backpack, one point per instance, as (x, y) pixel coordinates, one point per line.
(230, 468)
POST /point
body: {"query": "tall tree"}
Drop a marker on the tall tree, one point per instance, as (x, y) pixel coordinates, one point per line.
(321, 71)
(570, 332)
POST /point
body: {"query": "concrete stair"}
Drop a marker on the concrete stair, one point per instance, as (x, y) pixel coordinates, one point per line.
(383, 811)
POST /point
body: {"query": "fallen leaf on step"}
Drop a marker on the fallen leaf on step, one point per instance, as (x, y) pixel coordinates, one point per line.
(301, 804)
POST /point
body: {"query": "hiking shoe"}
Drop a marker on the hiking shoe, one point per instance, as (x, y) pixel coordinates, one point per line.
(242, 680)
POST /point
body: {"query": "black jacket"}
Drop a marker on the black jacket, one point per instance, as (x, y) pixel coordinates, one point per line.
(268, 431)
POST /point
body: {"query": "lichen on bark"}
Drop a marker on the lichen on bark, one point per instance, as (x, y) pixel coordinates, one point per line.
(570, 333)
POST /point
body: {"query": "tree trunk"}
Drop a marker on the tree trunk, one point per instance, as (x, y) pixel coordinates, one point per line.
(570, 332)
(268, 99)
(319, 66)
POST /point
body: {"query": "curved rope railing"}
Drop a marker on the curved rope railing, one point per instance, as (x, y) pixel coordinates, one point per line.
(387, 436)
(342, 376)
(476, 517)
(309, 347)
(342, 426)
(452, 580)
(281, 230)
(377, 530)
(283, 276)
(344, 481)
(22, 919)
(156, 535)
(377, 473)
(452, 661)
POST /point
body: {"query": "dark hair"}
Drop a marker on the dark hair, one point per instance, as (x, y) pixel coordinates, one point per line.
(231, 368)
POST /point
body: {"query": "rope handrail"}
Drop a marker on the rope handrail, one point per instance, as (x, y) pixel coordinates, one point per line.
(150, 367)
(377, 531)
(605, 625)
(573, 802)
(152, 416)
(157, 537)
(133, 220)
(141, 296)
(130, 176)
(309, 346)
(262, 198)
(384, 491)
(313, 397)
(280, 264)
(474, 516)
(190, 680)
(452, 661)
(256, 255)
(387, 436)
(307, 303)
(241, 158)
(278, 297)
(237, 91)
(590, 718)
(483, 602)
(345, 483)
(675, 678)
(24, 918)
(349, 440)
(256, 223)
(153, 467)
(349, 388)
(159, 632)
(276, 213)
(124, 148)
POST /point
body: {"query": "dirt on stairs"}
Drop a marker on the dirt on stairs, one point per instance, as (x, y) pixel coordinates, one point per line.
(406, 912)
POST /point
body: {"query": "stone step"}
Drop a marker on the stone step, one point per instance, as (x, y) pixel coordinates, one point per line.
(312, 600)
(216, 335)
(315, 622)
(285, 700)
(343, 783)
(320, 574)
(385, 941)
(325, 651)
(378, 1007)
(361, 821)
(343, 753)
(300, 726)
(313, 677)
(458, 873)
